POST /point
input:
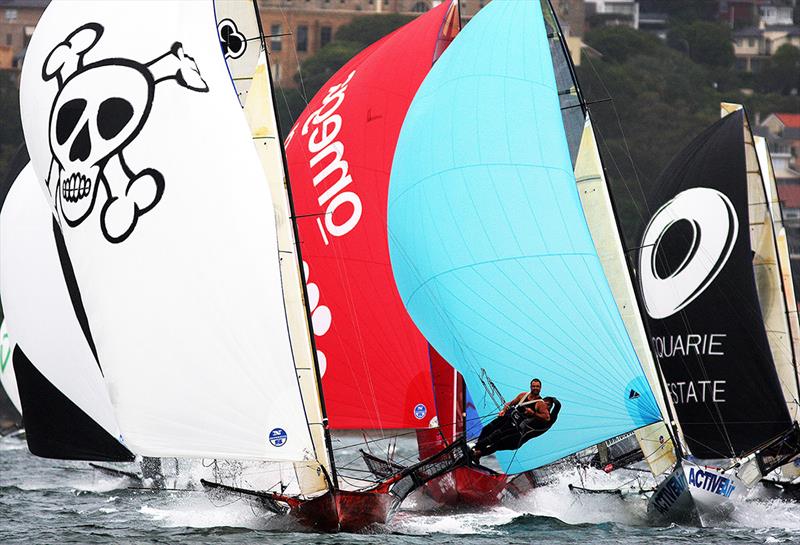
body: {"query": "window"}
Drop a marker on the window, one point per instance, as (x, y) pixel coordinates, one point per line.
(11, 15)
(420, 7)
(9, 39)
(276, 73)
(751, 42)
(302, 38)
(325, 34)
(275, 40)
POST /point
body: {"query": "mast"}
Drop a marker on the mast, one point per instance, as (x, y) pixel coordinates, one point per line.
(332, 478)
(772, 202)
(671, 428)
(303, 282)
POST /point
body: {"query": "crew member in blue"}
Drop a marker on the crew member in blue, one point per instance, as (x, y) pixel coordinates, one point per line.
(526, 416)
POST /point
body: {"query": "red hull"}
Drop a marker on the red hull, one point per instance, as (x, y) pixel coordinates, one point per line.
(343, 511)
(467, 486)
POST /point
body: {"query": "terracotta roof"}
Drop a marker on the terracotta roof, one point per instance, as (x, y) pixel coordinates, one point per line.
(789, 195)
(789, 120)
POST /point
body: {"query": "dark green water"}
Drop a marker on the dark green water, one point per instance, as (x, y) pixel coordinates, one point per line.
(45, 501)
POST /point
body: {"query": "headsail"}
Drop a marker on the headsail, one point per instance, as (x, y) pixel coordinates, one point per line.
(697, 281)
(375, 362)
(62, 393)
(167, 220)
(489, 245)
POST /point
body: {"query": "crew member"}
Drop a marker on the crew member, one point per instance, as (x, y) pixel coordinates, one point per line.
(526, 416)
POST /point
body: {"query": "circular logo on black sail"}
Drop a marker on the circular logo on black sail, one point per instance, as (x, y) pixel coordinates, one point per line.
(686, 244)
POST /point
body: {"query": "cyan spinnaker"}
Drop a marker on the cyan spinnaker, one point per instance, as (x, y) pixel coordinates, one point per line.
(490, 248)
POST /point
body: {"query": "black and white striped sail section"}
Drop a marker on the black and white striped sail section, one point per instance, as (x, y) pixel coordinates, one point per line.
(239, 32)
(699, 290)
(65, 403)
(251, 77)
(143, 150)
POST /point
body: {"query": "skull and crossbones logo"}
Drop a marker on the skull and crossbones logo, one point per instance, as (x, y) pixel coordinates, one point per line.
(99, 109)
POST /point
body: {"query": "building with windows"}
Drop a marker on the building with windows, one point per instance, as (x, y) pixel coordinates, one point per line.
(298, 29)
(754, 45)
(18, 18)
(613, 12)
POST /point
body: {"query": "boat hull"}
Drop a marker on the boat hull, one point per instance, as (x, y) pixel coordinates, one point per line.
(345, 511)
(696, 495)
(467, 486)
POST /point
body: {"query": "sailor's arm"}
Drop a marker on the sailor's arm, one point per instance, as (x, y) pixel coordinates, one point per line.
(541, 411)
(513, 403)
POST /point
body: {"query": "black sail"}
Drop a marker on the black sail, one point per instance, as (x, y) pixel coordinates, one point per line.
(698, 286)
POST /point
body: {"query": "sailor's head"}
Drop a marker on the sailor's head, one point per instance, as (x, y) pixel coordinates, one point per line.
(536, 386)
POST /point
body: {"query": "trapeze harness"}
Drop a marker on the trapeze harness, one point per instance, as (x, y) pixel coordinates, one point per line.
(515, 428)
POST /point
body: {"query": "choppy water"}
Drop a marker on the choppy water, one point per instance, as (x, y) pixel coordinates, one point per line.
(45, 501)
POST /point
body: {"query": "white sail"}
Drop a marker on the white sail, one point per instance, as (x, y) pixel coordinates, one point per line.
(240, 37)
(36, 301)
(763, 205)
(8, 381)
(260, 113)
(166, 218)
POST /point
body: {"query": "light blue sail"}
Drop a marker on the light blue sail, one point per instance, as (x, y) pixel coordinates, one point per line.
(489, 246)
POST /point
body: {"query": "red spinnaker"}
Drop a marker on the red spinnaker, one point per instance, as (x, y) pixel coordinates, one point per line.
(375, 366)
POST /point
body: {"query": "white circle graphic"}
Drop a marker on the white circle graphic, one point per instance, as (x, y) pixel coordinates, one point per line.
(714, 229)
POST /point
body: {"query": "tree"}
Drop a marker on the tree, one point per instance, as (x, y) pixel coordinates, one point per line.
(316, 70)
(619, 43)
(368, 29)
(782, 72)
(11, 125)
(706, 43)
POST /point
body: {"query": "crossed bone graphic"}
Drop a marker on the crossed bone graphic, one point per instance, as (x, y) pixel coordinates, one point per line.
(99, 109)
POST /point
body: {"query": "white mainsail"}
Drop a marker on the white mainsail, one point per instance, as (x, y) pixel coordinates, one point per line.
(36, 301)
(166, 218)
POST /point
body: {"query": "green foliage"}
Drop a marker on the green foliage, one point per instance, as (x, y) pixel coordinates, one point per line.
(619, 43)
(706, 43)
(782, 72)
(368, 29)
(10, 123)
(684, 10)
(320, 67)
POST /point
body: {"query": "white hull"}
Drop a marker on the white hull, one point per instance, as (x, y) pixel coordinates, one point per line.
(696, 494)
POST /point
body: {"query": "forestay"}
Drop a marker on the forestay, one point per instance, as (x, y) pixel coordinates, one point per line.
(148, 159)
(374, 361)
(489, 245)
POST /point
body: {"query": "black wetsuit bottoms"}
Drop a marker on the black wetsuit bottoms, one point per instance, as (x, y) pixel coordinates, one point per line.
(503, 433)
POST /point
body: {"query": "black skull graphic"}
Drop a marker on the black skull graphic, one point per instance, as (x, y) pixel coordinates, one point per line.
(99, 109)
